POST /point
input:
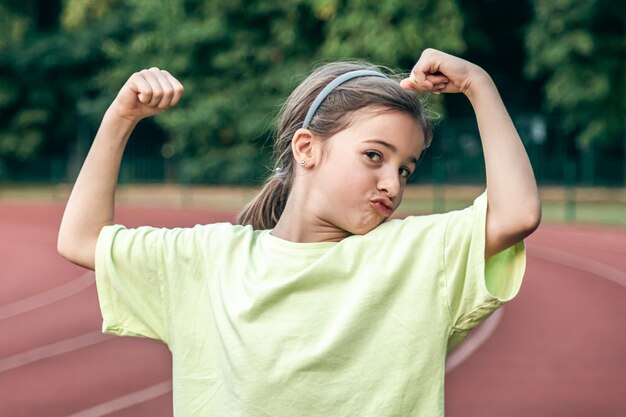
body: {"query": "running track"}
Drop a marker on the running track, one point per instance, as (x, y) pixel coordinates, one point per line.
(558, 349)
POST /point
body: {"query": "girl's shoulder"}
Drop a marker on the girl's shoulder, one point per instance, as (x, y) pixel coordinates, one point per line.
(425, 226)
(415, 221)
(462, 214)
(191, 237)
(409, 231)
(222, 231)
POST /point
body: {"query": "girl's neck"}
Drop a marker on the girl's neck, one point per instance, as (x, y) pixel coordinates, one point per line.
(298, 223)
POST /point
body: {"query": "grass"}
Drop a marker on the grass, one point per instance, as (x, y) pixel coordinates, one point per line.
(591, 205)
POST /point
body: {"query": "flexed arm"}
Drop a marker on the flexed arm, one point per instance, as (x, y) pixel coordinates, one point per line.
(514, 208)
(91, 203)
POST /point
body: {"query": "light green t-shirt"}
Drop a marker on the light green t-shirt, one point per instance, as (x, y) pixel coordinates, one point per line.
(263, 327)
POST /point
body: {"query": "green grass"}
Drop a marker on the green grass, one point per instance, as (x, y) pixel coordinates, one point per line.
(610, 214)
(552, 211)
(593, 205)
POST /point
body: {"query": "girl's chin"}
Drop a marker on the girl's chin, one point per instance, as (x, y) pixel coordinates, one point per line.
(367, 227)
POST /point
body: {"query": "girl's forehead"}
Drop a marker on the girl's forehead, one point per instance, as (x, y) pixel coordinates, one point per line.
(394, 127)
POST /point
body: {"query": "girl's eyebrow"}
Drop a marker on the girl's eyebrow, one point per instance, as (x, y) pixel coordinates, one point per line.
(391, 147)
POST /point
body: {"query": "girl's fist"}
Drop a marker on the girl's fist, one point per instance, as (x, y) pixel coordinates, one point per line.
(437, 72)
(147, 93)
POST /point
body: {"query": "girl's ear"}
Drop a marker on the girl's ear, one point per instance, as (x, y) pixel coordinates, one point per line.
(305, 147)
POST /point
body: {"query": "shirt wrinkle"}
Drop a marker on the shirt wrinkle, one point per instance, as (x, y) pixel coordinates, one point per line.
(362, 330)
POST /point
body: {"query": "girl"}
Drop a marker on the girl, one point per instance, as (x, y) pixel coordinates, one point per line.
(317, 304)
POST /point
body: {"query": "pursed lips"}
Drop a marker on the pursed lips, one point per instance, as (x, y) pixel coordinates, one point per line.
(383, 206)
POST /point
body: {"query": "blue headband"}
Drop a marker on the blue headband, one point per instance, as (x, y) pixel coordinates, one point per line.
(331, 86)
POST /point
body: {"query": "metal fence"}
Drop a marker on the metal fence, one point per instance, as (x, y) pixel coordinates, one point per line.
(455, 157)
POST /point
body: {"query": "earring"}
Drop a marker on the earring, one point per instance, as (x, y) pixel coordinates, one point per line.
(303, 162)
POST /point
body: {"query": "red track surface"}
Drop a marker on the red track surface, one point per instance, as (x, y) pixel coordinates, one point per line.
(558, 349)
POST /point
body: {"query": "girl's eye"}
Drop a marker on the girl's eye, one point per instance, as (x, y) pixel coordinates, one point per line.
(405, 173)
(374, 156)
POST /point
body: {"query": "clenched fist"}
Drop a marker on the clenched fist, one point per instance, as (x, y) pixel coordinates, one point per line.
(437, 72)
(147, 93)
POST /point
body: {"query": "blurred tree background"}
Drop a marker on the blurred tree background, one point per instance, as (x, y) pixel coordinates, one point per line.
(558, 63)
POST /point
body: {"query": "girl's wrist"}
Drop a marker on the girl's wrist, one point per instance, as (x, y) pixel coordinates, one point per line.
(116, 129)
(481, 84)
(112, 116)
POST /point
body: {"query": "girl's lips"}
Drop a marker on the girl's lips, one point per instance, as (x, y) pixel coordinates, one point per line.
(382, 208)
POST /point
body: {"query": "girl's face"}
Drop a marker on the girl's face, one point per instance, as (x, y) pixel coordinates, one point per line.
(364, 168)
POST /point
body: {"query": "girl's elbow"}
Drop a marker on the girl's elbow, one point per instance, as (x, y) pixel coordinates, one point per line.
(78, 254)
(529, 224)
(63, 246)
(524, 225)
(66, 244)
(535, 218)
(511, 227)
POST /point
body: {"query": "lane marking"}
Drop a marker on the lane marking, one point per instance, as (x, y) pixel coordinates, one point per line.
(126, 401)
(612, 240)
(477, 337)
(52, 349)
(488, 327)
(48, 297)
(599, 269)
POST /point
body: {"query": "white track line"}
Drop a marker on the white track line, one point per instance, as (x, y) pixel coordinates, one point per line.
(47, 297)
(472, 343)
(52, 349)
(126, 401)
(482, 333)
(574, 261)
(68, 345)
(458, 356)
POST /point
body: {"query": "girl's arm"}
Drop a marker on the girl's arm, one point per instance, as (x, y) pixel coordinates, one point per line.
(91, 203)
(514, 208)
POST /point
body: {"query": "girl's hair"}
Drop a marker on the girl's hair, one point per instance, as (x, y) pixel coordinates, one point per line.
(334, 114)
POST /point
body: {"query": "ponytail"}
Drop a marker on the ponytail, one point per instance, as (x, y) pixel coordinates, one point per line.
(266, 208)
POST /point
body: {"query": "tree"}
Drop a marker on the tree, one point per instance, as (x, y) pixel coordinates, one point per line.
(240, 59)
(578, 47)
(391, 32)
(63, 61)
(43, 72)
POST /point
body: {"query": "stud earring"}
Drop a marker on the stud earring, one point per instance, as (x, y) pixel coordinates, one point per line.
(303, 162)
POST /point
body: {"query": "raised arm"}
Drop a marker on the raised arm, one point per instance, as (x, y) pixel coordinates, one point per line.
(514, 208)
(91, 203)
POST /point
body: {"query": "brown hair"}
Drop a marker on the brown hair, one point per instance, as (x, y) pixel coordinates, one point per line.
(333, 115)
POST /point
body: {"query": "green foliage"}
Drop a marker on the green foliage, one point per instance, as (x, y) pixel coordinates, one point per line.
(578, 46)
(14, 27)
(43, 72)
(390, 32)
(238, 61)
(235, 64)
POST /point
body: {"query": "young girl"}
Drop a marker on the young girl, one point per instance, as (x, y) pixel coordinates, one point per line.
(317, 304)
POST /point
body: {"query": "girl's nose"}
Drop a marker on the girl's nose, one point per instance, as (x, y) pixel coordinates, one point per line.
(389, 184)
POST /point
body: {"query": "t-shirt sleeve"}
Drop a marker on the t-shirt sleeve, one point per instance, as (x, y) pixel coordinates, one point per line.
(132, 288)
(475, 287)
